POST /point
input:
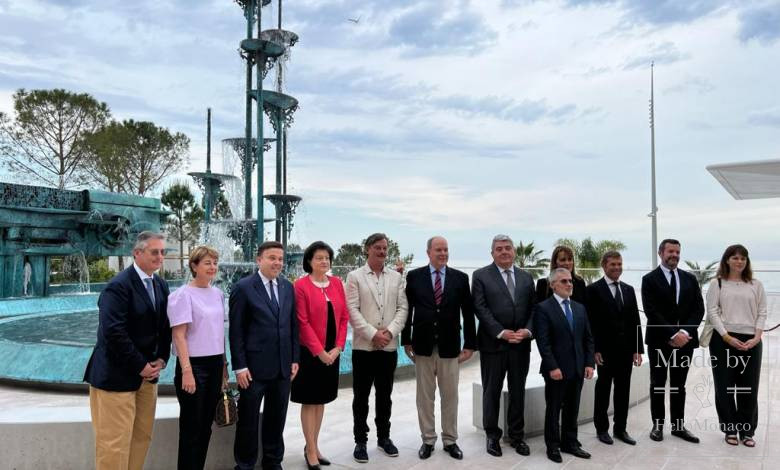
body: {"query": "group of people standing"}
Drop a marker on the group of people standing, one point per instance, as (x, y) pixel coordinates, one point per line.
(286, 341)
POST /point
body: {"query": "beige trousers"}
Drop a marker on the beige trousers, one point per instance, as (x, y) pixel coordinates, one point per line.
(122, 423)
(430, 371)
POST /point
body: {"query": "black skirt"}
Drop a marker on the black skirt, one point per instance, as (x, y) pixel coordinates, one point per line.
(316, 383)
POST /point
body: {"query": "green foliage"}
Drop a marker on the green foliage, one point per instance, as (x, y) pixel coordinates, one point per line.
(134, 157)
(99, 270)
(45, 140)
(705, 274)
(348, 257)
(185, 222)
(587, 254)
(528, 257)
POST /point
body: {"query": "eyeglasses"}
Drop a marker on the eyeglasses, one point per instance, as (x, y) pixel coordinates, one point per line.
(565, 281)
(157, 252)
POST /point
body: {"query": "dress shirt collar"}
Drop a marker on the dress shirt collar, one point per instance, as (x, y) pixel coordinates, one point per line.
(265, 280)
(610, 281)
(667, 271)
(501, 270)
(368, 269)
(560, 299)
(141, 273)
(441, 270)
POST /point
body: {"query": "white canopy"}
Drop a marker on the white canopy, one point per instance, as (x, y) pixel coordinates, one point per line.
(749, 180)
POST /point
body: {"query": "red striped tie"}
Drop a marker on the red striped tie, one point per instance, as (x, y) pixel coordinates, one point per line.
(437, 288)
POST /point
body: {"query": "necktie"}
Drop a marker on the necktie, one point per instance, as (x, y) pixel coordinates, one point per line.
(569, 315)
(150, 289)
(673, 285)
(437, 288)
(618, 295)
(510, 283)
(274, 300)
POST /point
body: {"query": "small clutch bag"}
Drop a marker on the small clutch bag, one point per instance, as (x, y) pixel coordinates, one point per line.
(227, 408)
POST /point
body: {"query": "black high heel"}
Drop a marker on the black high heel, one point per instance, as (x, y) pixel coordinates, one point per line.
(308, 465)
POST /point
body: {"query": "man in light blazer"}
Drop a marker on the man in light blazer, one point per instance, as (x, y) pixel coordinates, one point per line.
(674, 309)
(377, 312)
(503, 302)
(265, 350)
(438, 297)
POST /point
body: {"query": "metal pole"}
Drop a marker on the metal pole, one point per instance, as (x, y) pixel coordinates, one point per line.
(653, 207)
(260, 149)
(280, 14)
(207, 186)
(247, 162)
(279, 214)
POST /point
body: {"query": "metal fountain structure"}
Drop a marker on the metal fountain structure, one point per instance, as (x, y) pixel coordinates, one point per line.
(262, 50)
(39, 223)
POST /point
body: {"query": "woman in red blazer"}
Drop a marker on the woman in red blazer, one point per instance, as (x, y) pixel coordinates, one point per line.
(321, 308)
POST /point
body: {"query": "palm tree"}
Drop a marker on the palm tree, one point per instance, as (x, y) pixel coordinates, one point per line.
(703, 275)
(587, 254)
(528, 257)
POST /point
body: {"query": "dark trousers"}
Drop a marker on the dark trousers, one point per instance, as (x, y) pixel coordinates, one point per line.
(377, 369)
(666, 360)
(245, 450)
(740, 372)
(616, 370)
(562, 399)
(512, 364)
(196, 411)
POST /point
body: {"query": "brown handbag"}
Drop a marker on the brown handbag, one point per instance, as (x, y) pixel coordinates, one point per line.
(227, 408)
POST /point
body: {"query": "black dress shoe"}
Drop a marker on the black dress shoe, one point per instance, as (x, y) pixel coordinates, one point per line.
(360, 454)
(493, 447)
(324, 461)
(657, 434)
(577, 452)
(623, 436)
(521, 447)
(686, 435)
(454, 451)
(425, 451)
(554, 455)
(604, 437)
(386, 445)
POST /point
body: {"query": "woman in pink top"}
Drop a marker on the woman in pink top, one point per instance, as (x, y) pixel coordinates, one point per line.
(197, 315)
(321, 308)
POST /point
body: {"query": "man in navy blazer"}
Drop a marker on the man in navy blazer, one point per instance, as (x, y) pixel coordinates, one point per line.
(566, 345)
(133, 346)
(264, 349)
(674, 308)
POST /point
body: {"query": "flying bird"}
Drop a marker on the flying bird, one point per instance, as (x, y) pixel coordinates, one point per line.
(355, 20)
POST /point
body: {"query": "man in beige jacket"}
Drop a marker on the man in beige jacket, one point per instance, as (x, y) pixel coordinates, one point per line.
(377, 313)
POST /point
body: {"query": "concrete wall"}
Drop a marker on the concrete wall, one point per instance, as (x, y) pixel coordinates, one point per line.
(534, 400)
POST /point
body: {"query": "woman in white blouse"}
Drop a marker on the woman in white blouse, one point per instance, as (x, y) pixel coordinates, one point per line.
(736, 308)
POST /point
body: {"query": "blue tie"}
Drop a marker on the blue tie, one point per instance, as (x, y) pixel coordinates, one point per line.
(150, 289)
(274, 300)
(569, 316)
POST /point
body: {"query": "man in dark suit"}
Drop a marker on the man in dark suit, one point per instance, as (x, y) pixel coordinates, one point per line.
(133, 346)
(674, 308)
(614, 321)
(503, 302)
(264, 347)
(438, 295)
(566, 345)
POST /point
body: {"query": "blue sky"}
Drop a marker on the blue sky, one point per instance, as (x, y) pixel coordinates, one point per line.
(454, 117)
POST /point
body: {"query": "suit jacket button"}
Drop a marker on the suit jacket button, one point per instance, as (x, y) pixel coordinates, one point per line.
(437, 310)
